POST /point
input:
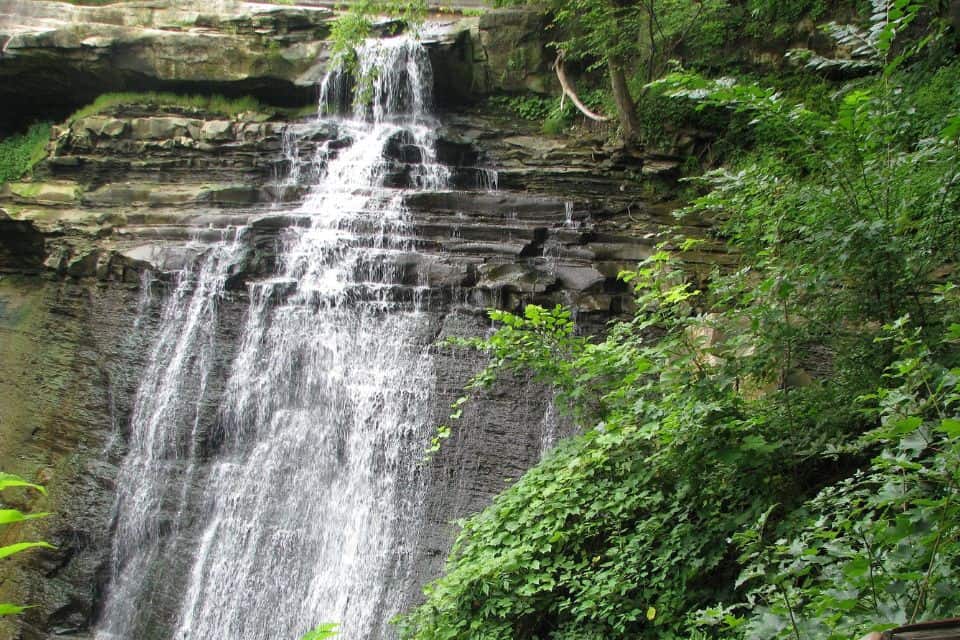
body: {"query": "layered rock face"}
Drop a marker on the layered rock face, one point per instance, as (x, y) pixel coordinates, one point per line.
(57, 56)
(126, 198)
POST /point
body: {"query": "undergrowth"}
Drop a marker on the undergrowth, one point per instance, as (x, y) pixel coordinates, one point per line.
(211, 104)
(19, 153)
(773, 453)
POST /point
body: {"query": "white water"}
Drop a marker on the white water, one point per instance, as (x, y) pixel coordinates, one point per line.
(305, 510)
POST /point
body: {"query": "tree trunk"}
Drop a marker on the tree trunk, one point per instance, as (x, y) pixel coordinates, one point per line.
(626, 107)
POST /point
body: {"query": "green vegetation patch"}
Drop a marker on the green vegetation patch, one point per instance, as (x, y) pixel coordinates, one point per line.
(20, 153)
(207, 103)
(771, 452)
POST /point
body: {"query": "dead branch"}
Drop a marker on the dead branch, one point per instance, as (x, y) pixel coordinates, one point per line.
(568, 91)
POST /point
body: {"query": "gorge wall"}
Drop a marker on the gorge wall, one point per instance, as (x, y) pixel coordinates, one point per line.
(126, 199)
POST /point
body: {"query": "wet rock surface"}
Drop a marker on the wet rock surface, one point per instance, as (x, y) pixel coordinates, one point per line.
(146, 189)
(58, 56)
(127, 192)
(70, 355)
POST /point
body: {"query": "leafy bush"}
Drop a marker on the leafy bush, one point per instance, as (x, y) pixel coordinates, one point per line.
(555, 114)
(774, 454)
(528, 107)
(19, 153)
(882, 547)
(353, 26)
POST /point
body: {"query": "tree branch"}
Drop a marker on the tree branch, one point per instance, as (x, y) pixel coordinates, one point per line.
(568, 91)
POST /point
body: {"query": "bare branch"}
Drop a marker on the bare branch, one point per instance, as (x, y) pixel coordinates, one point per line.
(568, 91)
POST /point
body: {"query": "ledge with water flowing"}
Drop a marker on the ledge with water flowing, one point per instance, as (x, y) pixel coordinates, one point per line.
(248, 321)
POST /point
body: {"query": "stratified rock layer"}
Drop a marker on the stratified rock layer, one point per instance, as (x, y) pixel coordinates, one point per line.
(139, 190)
(57, 57)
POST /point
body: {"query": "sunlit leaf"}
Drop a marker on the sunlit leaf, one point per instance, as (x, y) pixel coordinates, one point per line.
(322, 632)
(11, 549)
(7, 609)
(8, 480)
(9, 516)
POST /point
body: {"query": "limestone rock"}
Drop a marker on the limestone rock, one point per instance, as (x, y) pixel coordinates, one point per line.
(83, 265)
(45, 192)
(579, 278)
(217, 130)
(60, 56)
(515, 277)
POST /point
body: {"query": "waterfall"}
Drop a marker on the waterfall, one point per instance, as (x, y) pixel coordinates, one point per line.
(301, 506)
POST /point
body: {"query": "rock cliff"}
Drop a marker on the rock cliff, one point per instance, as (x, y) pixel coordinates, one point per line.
(136, 190)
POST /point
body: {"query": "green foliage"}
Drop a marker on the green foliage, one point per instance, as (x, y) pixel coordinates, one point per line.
(206, 103)
(9, 516)
(882, 547)
(528, 107)
(107, 2)
(8, 480)
(346, 33)
(322, 632)
(353, 26)
(626, 38)
(19, 153)
(600, 31)
(15, 516)
(12, 549)
(766, 18)
(772, 453)
(555, 114)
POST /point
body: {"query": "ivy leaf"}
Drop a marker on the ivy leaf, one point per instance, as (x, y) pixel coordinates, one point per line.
(951, 131)
(758, 444)
(914, 444)
(905, 425)
(953, 332)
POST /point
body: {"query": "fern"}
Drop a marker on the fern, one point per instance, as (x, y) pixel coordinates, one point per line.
(868, 48)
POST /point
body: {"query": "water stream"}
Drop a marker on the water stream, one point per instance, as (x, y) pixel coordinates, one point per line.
(299, 507)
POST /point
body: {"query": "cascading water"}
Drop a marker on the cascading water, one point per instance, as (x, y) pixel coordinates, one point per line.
(301, 507)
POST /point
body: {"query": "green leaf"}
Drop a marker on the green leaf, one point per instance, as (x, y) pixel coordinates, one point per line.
(7, 609)
(856, 567)
(322, 632)
(758, 444)
(952, 130)
(8, 480)
(950, 426)
(953, 331)
(11, 549)
(905, 425)
(9, 516)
